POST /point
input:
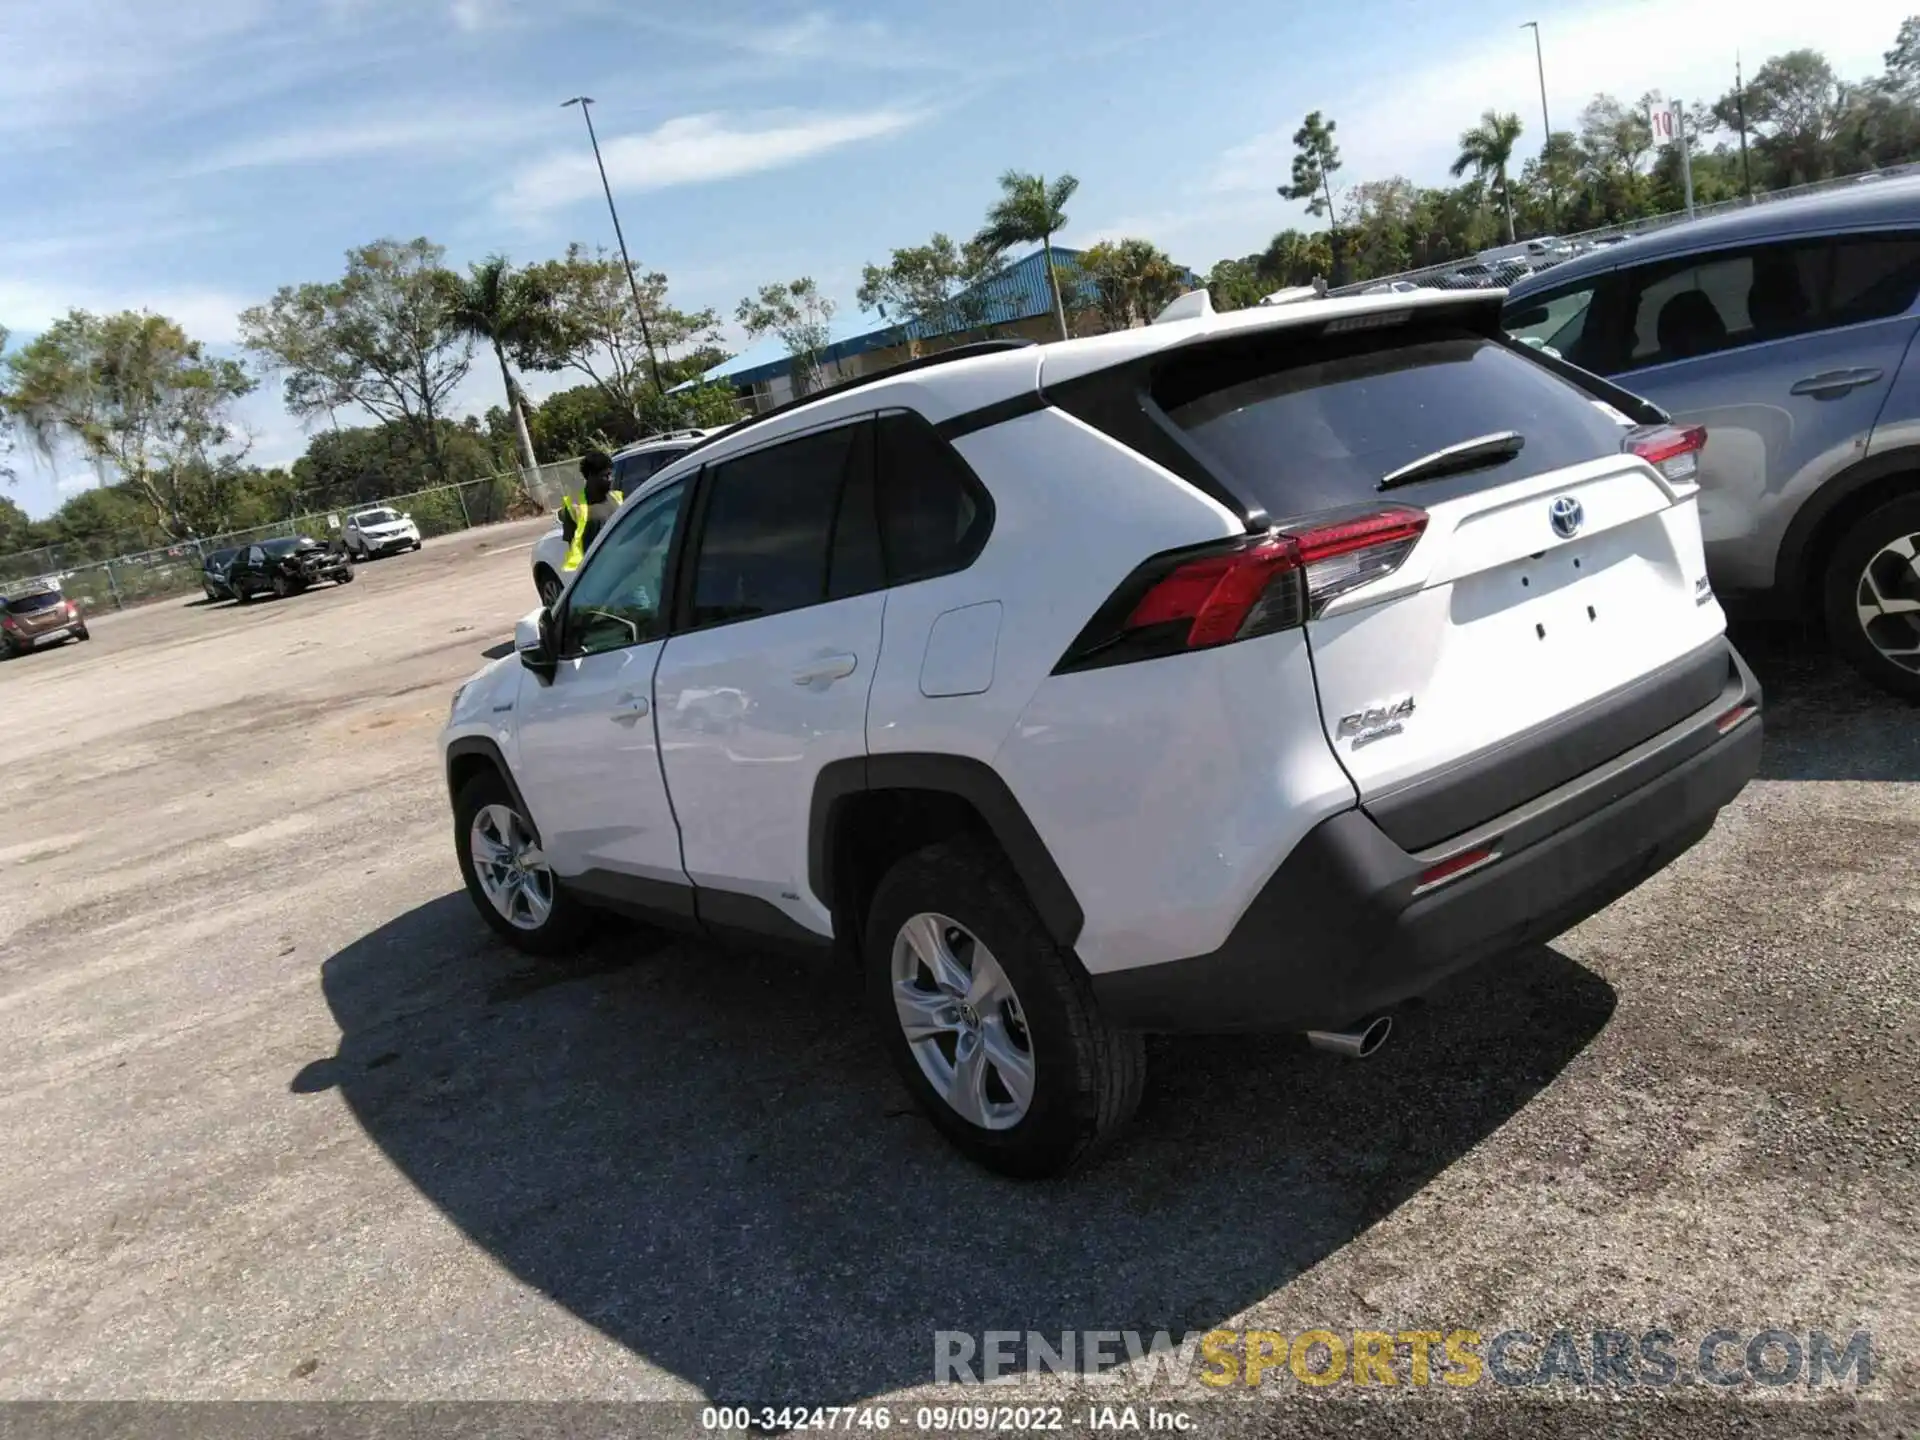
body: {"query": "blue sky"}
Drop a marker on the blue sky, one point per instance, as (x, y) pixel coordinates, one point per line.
(190, 156)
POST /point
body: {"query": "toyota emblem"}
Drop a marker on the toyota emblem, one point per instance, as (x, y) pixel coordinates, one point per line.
(1567, 516)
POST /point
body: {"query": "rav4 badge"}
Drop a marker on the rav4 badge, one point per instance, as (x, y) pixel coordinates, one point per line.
(1376, 722)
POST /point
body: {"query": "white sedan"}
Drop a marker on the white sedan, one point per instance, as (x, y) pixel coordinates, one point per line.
(379, 531)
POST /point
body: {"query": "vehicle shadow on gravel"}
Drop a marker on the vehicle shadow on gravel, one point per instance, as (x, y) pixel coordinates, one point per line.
(1824, 722)
(706, 1156)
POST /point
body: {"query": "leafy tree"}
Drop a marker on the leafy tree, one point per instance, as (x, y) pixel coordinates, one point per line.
(142, 401)
(800, 316)
(1794, 106)
(1548, 187)
(1133, 280)
(6, 420)
(1234, 285)
(593, 328)
(105, 521)
(383, 337)
(1030, 211)
(1378, 226)
(1903, 62)
(1315, 159)
(17, 532)
(357, 464)
(1485, 149)
(935, 288)
(505, 309)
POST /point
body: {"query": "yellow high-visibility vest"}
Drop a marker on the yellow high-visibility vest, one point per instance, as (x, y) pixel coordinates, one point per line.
(576, 506)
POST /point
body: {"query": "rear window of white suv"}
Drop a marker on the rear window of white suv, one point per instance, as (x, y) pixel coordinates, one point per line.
(1321, 432)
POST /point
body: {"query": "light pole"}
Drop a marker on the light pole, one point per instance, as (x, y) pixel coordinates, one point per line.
(585, 102)
(1546, 126)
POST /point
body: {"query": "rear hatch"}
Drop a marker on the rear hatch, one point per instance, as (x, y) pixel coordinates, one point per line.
(37, 613)
(1544, 583)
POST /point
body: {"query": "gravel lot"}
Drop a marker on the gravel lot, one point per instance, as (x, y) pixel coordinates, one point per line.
(282, 1121)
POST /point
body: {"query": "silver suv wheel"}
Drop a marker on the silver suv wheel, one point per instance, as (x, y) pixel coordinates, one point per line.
(512, 872)
(963, 1021)
(1889, 602)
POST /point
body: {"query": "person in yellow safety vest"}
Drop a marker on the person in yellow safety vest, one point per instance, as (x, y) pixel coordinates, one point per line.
(582, 516)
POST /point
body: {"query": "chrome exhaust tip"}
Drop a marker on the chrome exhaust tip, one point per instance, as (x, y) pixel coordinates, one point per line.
(1356, 1043)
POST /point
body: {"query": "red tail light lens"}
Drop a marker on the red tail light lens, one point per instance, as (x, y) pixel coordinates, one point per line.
(1673, 450)
(1250, 586)
(1217, 595)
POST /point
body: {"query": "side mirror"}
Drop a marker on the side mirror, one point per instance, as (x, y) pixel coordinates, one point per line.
(533, 643)
(406, 515)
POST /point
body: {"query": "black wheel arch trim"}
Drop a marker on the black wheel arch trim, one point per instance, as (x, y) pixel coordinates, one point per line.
(972, 781)
(481, 746)
(1793, 566)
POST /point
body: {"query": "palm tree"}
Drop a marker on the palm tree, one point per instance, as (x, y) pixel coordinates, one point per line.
(1029, 210)
(500, 306)
(1486, 149)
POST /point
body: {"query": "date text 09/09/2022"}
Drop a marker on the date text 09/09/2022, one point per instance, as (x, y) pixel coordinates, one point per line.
(945, 1419)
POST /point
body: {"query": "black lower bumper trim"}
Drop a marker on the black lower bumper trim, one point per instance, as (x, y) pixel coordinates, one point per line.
(1338, 932)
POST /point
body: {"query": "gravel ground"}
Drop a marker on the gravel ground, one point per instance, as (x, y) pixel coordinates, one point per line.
(282, 1121)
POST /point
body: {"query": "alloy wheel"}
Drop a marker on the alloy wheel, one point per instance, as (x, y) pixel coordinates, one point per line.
(963, 1021)
(512, 871)
(1888, 602)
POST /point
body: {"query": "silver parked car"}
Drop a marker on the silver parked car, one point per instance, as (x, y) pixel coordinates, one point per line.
(1786, 330)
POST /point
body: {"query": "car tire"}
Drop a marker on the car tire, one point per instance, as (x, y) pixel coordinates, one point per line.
(242, 595)
(1083, 1077)
(567, 919)
(211, 597)
(1873, 562)
(83, 634)
(547, 585)
(417, 544)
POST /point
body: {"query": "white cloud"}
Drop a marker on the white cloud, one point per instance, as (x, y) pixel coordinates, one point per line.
(75, 481)
(1408, 125)
(30, 305)
(431, 131)
(695, 148)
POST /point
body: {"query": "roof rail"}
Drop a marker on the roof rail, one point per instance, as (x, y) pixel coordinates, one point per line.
(920, 362)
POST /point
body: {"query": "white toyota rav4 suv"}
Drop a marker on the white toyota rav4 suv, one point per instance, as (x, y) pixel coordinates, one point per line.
(1249, 671)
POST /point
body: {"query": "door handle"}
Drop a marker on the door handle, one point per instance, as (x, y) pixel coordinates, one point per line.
(826, 669)
(1835, 382)
(630, 709)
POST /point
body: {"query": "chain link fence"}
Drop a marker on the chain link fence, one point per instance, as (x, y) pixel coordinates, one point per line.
(174, 569)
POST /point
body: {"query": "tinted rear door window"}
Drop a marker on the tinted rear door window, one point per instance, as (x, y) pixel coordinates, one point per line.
(1320, 433)
(1874, 276)
(768, 526)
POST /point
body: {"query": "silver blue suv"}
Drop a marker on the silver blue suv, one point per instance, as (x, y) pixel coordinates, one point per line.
(1786, 330)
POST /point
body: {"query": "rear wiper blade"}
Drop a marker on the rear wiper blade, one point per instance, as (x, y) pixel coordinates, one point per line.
(1475, 454)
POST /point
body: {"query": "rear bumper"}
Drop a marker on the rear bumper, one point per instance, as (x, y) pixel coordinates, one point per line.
(1339, 933)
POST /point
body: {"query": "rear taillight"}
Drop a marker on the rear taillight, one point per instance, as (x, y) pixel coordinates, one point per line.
(73, 611)
(1673, 450)
(1249, 586)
